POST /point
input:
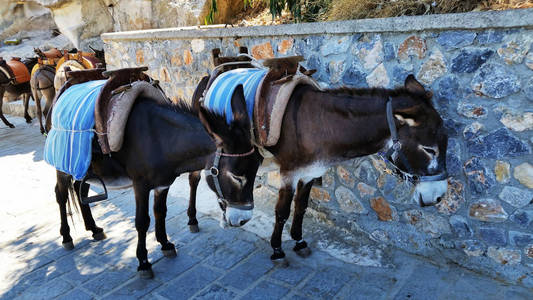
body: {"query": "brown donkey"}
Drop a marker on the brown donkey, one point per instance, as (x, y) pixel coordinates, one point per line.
(323, 128)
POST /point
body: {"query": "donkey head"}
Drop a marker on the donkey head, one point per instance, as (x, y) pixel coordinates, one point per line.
(423, 141)
(233, 179)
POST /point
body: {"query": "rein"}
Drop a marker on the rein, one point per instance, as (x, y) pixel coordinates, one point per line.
(397, 149)
(214, 172)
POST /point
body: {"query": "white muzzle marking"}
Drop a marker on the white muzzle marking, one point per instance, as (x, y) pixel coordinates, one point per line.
(428, 192)
(237, 217)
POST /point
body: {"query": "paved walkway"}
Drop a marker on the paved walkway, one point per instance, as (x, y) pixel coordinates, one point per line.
(212, 264)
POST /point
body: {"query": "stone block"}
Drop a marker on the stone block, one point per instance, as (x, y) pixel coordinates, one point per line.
(498, 144)
(518, 121)
(355, 77)
(263, 51)
(456, 39)
(524, 218)
(399, 74)
(187, 57)
(495, 81)
(388, 52)
(529, 251)
(524, 174)
(274, 179)
(490, 36)
(504, 256)
(285, 45)
(472, 111)
(431, 224)
(169, 269)
(378, 77)
(520, 239)
(469, 60)
(529, 60)
(189, 284)
(320, 194)
(348, 202)
(448, 89)
(514, 52)
(327, 283)
(345, 176)
(216, 292)
(453, 199)
(382, 208)
(528, 89)
(76, 294)
(472, 247)
(432, 69)
(479, 177)
(473, 130)
(229, 255)
(515, 196)
(335, 45)
(502, 170)
(493, 236)
(134, 290)
(267, 290)
(412, 46)
(460, 226)
(365, 190)
(109, 280)
(370, 53)
(248, 272)
(293, 275)
(487, 210)
(139, 56)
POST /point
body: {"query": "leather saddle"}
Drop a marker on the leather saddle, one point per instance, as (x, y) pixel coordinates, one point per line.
(15, 70)
(115, 100)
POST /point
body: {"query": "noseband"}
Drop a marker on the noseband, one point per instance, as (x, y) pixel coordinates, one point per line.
(397, 148)
(214, 172)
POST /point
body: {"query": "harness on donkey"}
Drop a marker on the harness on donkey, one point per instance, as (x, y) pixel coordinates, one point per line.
(267, 87)
(15, 70)
(105, 98)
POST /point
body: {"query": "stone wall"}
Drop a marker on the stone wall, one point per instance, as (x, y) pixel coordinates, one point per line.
(480, 68)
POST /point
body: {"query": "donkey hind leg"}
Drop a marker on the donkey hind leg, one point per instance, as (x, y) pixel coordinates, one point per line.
(61, 189)
(2, 90)
(283, 210)
(160, 214)
(26, 102)
(142, 222)
(39, 113)
(194, 179)
(90, 224)
(301, 200)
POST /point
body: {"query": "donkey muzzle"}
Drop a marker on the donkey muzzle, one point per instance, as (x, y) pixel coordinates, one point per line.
(429, 192)
(237, 217)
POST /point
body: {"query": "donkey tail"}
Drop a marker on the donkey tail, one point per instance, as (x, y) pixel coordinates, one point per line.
(73, 200)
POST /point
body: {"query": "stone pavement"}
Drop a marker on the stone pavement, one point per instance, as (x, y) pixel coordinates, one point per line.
(212, 264)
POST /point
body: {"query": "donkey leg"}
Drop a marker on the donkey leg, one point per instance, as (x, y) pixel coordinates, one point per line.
(26, 102)
(283, 209)
(160, 214)
(39, 112)
(63, 182)
(90, 224)
(2, 90)
(142, 222)
(194, 179)
(300, 205)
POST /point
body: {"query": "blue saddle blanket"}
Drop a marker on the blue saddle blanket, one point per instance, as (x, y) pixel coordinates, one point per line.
(218, 97)
(68, 144)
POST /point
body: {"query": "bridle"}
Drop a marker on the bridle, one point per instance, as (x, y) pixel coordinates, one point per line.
(214, 172)
(396, 148)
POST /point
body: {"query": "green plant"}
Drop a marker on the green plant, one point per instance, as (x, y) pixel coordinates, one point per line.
(210, 18)
(276, 8)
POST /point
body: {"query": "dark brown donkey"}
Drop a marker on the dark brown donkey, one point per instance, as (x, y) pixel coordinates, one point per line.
(9, 85)
(323, 128)
(160, 143)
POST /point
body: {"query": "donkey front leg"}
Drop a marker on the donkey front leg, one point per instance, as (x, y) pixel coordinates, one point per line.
(142, 222)
(283, 210)
(194, 179)
(160, 214)
(2, 90)
(39, 113)
(98, 233)
(26, 102)
(300, 205)
(62, 185)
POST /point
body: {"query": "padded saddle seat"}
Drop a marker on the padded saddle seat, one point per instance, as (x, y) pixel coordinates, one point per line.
(15, 70)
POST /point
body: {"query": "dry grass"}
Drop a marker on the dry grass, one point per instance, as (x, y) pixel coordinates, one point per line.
(362, 9)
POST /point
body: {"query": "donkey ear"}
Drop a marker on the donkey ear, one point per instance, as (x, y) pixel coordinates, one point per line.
(206, 120)
(238, 108)
(413, 86)
(408, 116)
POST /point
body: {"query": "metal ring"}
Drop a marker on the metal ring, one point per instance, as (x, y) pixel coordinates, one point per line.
(214, 171)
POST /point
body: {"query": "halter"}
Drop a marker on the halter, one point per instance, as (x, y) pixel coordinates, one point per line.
(397, 148)
(214, 172)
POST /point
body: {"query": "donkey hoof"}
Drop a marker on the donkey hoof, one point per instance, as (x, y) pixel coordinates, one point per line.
(11, 125)
(99, 236)
(68, 245)
(28, 121)
(280, 262)
(194, 228)
(169, 253)
(304, 252)
(146, 274)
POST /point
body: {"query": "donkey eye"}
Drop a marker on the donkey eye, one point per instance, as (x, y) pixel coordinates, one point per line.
(238, 180)
(430, 150)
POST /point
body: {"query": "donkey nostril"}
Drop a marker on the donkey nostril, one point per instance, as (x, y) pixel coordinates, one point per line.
(243, 222)
(439, 199)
